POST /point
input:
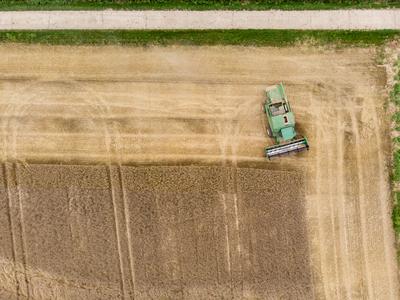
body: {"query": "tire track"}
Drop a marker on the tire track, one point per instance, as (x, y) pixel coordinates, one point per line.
(11, 223)
(229, 132)
(326, 191)
(362, 208)
(15, 109)
(12, 109)
(318, 176)
(341, 212)
(132, 135)
(67, 157)
(228, 251)
(17, 229)
(233, 190)
(118, 238)
(215, 246)
(15, 134)
(102, 111)
(352, 211)
(331, 190)
(105, 113)
(127, 229)
(58, 118)
(125, 205)
(23, 232)
(52, 286)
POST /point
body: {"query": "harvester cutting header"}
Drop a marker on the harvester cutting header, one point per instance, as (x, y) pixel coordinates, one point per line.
(281, 124)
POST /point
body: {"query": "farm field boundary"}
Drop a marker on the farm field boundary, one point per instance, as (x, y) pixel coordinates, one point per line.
(266, 37)
(175, 103)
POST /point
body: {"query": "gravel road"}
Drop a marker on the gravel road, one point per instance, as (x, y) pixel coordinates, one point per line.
(272, 19)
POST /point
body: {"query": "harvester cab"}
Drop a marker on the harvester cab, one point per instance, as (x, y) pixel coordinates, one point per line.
(281, 124)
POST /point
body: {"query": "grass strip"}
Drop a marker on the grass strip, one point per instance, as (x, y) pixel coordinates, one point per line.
(396, 219)
(277, 38)
(193, 4)
(396, 213)
(395, 98)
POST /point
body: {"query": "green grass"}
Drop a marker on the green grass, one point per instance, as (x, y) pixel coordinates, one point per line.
(396, 165)
(395, 94)
(396, 220)
(193, 4)
(395, 98)
(276, 38)
(396, 216)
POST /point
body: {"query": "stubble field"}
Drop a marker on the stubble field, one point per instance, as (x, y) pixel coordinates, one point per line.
(83, 214)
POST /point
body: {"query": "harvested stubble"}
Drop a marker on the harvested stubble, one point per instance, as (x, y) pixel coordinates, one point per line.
(100, 232)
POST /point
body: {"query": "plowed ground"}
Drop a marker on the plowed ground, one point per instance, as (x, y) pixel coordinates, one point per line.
(314, 225)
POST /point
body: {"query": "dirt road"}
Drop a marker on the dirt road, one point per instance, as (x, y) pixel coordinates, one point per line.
(188, 105)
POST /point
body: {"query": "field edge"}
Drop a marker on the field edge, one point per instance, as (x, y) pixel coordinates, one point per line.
(237, 37)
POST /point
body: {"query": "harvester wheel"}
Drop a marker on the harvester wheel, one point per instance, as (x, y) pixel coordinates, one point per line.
(269, 132)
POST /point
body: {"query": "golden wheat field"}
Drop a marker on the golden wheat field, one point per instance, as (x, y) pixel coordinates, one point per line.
(138, 173)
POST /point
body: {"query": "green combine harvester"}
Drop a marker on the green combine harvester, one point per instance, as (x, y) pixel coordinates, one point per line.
(281, 124)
